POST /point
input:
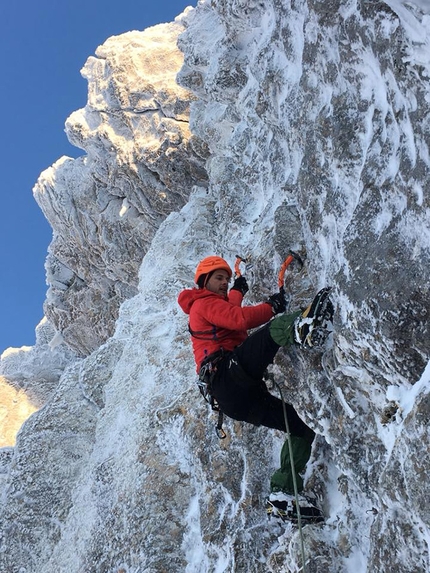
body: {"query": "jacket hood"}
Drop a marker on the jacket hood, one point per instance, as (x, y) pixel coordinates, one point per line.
(187, 297)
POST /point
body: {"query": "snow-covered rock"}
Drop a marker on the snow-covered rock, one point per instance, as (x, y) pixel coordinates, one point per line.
(315, 118)
(37, 369)
(140, 164)
(28, 376)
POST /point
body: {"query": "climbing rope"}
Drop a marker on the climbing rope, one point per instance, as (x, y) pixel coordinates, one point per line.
(293, 470)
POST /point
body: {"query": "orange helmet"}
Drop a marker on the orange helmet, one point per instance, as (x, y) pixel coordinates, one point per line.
(210, 264)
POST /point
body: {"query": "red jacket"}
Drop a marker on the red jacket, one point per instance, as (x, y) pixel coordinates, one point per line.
(217, 322)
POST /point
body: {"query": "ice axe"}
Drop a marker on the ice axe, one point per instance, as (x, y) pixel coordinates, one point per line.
(292, 256)
(239, 260)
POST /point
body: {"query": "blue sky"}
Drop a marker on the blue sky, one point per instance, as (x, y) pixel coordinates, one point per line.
(43, 46)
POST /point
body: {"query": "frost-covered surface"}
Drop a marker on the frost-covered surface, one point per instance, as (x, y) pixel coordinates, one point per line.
(105, 207)
(316, 118)
(37, 369)
(28, 376)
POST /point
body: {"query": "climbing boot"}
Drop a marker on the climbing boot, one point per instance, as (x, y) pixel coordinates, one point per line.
(314, 325)
(283, 506)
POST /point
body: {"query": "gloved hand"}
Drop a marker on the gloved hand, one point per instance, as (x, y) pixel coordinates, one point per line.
(241, 285)
(278, 302)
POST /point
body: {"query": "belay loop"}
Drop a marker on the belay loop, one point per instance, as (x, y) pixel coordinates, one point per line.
(206, 375)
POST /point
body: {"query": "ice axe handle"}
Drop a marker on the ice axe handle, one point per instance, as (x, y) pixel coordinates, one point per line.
(239, 260)
(282, 270)
(281, 276)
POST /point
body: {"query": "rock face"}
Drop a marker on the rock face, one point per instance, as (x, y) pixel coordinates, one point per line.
(28, 377)
(140, 164)
(37, 369)
(315, 121)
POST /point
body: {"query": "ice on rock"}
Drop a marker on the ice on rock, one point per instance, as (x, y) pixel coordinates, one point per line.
(311, 121)
(140, 164)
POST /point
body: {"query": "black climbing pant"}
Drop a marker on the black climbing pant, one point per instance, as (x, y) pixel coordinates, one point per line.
(241, 393)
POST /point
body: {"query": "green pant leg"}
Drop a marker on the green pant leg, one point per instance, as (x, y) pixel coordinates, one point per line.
(282, 332)
(282, 479)
(282, 328)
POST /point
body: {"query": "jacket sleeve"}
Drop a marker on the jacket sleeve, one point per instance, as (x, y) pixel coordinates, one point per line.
(224, 314)
(235, 297)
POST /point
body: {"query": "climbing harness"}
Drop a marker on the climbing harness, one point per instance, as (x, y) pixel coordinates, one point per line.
(207, 373)
(204, 334)
(214, 333)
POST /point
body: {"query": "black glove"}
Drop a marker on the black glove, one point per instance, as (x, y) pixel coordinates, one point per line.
(241, 285)
(278, 302)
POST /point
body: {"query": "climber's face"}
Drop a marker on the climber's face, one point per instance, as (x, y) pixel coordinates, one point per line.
(218, 282)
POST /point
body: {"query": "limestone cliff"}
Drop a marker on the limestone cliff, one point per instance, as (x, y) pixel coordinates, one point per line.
(314, 121)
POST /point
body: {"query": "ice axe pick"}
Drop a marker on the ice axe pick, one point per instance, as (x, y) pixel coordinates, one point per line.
(292, 256)
(239, 260)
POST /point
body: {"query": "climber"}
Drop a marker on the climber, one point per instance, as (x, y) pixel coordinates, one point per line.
(236, 363)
